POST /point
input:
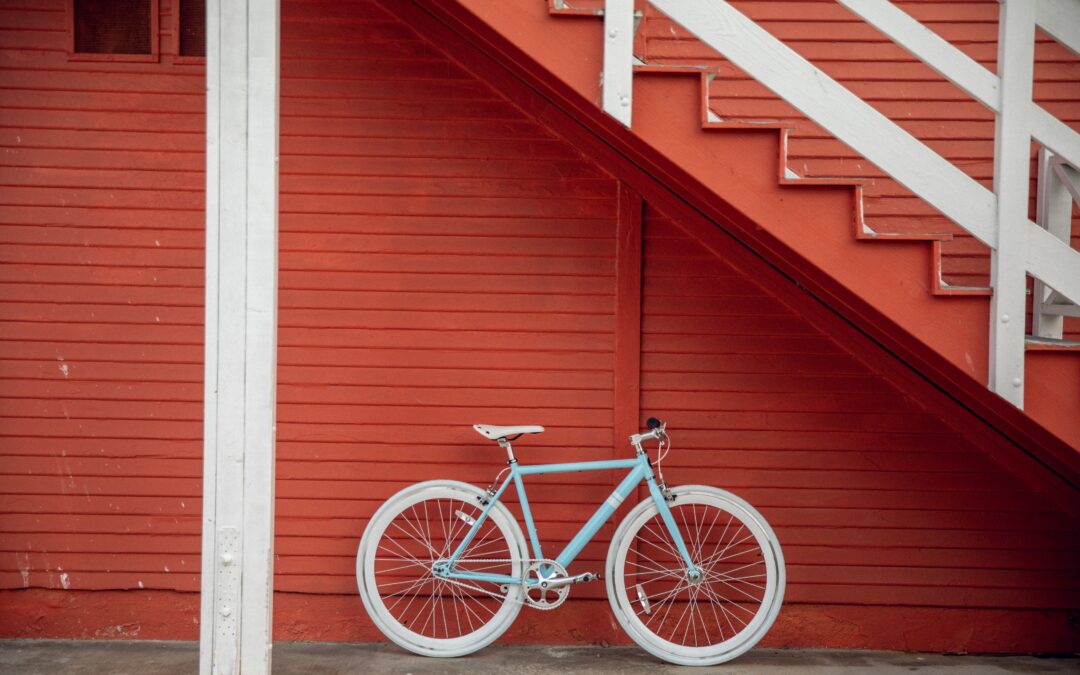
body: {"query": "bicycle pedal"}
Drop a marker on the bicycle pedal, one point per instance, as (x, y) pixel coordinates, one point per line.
(576, 579)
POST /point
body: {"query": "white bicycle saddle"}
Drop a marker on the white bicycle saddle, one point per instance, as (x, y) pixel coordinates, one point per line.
(495, 433)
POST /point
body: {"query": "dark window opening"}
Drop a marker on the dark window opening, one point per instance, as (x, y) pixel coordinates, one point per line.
(113, 27)
(192, 33)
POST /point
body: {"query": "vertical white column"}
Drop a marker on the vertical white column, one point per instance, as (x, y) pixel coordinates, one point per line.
(1012, 159)
(241, 335)
(618, 87)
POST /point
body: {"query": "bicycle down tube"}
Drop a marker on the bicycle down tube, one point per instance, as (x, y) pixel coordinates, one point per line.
(639, 469)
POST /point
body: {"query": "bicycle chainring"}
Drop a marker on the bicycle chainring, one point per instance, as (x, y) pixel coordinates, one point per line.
(540, 595)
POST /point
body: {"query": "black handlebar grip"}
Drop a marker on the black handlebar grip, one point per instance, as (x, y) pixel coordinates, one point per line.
(653, 423)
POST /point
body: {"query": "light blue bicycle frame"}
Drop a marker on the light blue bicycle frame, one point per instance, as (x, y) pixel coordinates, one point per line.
(639, 470)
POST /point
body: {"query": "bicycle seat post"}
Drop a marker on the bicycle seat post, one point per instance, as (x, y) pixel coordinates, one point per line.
(509, 451)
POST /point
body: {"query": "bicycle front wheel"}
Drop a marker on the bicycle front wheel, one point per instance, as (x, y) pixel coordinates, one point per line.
(425, 614)
(704, 621)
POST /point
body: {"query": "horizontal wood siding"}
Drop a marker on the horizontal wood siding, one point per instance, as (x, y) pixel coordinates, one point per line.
(875, 499)
(896, 84)
(445, 260)
(101, 296)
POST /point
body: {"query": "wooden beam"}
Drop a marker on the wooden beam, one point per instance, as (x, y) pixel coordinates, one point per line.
(618, 59)
(1053, 206)
(241, 339)
(629, 261)
(627, 318)
(1012, 153)
(1061, 19)
(967, 73)
(926, 45)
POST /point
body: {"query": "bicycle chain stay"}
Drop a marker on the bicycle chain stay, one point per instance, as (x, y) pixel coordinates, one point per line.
(528, 562)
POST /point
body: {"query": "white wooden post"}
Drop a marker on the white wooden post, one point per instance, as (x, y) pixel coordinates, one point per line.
(1058, 189)
(1012, 158)
(1054, 212)
(618, 59)
(241, 339)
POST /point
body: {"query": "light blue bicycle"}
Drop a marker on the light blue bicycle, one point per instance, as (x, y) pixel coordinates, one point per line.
(694, 574)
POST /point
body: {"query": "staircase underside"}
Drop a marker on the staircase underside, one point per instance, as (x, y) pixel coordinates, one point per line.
(884, 291)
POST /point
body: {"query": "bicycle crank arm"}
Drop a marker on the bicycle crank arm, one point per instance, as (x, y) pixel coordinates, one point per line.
(570, 581)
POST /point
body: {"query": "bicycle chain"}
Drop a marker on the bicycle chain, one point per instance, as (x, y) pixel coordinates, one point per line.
(497, 596)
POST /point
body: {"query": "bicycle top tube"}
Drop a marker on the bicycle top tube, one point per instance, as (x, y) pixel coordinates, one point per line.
(568, 467)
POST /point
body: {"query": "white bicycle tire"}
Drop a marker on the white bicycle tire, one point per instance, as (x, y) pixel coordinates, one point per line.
(728, 649)
(373, 602)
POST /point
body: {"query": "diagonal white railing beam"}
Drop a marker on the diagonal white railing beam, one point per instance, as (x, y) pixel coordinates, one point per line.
(983, 85)
(842, 113)
(930, 48)
(1061, 20)
(964, 71)
(1053, 262)
(966, 202)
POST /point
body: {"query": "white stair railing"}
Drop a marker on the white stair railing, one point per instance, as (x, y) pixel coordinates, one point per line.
(1058, 189)
(997, 218)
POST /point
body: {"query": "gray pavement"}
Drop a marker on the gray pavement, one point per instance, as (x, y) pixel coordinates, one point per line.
(67, 657)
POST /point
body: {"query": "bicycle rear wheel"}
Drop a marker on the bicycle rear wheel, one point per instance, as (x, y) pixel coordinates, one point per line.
(425, 614)
(696, 622)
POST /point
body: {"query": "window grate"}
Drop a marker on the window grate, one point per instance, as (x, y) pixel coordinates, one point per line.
(113, 27)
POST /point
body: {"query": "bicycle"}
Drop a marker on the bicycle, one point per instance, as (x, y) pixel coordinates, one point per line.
(694, 574)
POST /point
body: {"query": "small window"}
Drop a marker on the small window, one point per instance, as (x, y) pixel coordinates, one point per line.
(121, 30)
(191, 28)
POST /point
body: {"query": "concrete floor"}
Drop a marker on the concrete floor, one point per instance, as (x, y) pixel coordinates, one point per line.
(66, 657)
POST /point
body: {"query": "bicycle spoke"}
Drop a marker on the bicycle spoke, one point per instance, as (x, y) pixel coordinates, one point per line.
(719, 602)
(668, 599)
(726, 605)
(414, 584)
(406, 555)
(425, 544)
(663, 536)
(715, 557)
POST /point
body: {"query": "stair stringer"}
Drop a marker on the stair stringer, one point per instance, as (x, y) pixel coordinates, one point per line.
(560, 87)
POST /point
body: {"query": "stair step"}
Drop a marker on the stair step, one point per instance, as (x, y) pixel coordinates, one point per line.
(1044, 344)
(576, 7)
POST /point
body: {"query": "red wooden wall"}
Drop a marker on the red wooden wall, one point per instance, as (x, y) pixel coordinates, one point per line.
(876, 499)
(445, 259)
(101, 254)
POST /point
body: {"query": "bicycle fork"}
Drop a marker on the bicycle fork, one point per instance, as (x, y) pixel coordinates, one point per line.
(660, 498)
